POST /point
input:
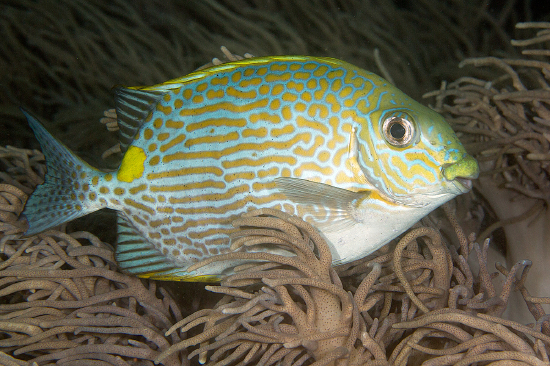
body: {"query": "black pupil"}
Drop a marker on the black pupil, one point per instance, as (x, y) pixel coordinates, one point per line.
(397, 131)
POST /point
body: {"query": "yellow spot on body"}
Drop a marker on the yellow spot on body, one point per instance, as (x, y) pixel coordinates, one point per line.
(311, 151)
(201, 87)
(318, 94)
(294, 67)
(286, 113)
(245, 175)
(346, 91)
(157, 123)
(137, 189)
(335, 74)
(263, 116)
(172, 143)
(187, 94)
(300, 107)
(306, 96)
(277, 89)
(275, 104)
(167, 210)
(103, 190)
(95, 180)
(323, 156)
(278, 67)
(253, 81)
(264, 89)
(132, 166)
(139, 206)
(230, 91)
(282, 77)
(154, 160)
(220, 81)
(276, 132)
(299, 87)
(148, 133)
(167, 97)
(152, 147)
(163, 136)
(311, 84)
(92, 196)
(82, 175)
(268, 172)
(321, 70)
(336, 85)
(215, 94)
(312, 167)
(236, 76)
(302, 75)
(260, 132)
(198, 99)
(178, 103)
(302, 122)
(166, 110)
(314, 108)
(148, 199)
(119, 191)
(290, 97)
(334, 105)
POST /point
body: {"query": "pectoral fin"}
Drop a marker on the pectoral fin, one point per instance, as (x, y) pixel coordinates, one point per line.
(327, 207)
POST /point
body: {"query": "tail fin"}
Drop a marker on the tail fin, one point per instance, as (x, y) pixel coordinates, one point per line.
(65, 193)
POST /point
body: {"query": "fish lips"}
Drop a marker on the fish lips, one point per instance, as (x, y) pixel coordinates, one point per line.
(464, 185)
(461, 173)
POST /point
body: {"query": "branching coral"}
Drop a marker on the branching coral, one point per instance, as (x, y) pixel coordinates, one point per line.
(505, 121)
(421, 302)
(61, 58)
(61, 298)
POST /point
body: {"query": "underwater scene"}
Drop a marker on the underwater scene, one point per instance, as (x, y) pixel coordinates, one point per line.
(274, 182)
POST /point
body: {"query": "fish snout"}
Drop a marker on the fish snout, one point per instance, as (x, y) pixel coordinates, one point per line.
(461, 172)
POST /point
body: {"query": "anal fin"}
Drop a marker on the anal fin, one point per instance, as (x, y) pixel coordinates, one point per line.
(135, 255)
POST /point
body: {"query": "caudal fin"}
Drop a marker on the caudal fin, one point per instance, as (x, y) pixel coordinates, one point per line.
(67, 191)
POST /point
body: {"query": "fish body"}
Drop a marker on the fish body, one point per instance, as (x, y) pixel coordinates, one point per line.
(316, 137)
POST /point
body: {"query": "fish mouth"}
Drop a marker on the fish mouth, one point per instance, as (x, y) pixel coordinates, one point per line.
(461, 173)
(463, 184)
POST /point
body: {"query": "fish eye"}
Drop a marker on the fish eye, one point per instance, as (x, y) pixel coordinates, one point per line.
(398, 131)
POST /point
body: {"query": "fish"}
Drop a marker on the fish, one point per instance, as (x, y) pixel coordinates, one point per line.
(315, 137)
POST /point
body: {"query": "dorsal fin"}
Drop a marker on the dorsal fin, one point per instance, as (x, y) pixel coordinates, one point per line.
(132, 108)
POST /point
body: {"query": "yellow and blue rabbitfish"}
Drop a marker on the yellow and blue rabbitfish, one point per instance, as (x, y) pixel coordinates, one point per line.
(317, 137)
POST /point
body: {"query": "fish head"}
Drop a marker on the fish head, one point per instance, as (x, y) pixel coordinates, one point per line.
(411, 154)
